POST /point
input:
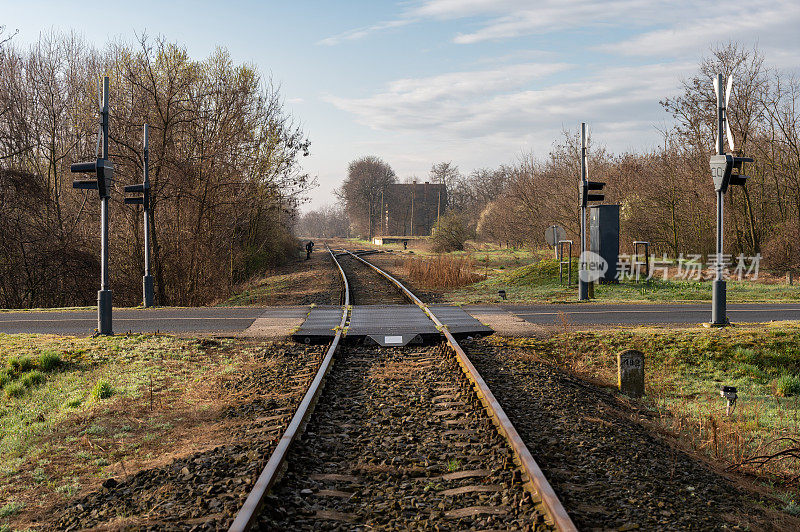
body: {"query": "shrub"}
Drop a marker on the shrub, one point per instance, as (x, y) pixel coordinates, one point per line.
(11, 509)
(73, 403)
(33, 378)
(14, 389)
(49, 360)
(21, 365)
(792, 508)
(102, 390)
(751, 371)
(450, 233)
(787, 385)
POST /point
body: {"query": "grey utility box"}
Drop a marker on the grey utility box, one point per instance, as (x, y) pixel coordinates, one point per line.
(604, 237)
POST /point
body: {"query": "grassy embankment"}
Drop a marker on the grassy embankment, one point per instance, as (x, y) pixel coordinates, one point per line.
(300, 282)
(532, 276)
(684, 372)
(75, 411)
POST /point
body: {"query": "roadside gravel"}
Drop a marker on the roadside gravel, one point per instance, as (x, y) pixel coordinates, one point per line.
(203, 491)
(608, 469)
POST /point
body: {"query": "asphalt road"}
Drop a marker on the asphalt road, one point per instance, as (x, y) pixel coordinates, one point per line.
(651, 314)
(231, 320)
(173, 320)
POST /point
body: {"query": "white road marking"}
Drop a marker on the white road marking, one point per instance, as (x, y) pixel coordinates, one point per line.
(526, 314)
(116, 320)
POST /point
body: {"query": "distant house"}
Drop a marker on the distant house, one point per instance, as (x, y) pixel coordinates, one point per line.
(412, 209)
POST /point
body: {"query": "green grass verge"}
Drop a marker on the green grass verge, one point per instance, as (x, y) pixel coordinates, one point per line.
(49, 378)
(684, 372)
(256, 294)
(539, 282)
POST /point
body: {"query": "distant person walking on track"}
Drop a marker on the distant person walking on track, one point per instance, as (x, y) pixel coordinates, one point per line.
(309, 248)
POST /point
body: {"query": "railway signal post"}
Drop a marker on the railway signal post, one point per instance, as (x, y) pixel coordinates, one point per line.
(722, 166)
(144, 200)
(103, 169)
(584, 190)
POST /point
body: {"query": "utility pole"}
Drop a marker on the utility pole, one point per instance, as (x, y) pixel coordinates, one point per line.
(413, 186)
(719, 299)
(104, 297)
(722, 166)
(144, 201)
(583, 287)
(438, 204)
(104, 172)
(147, 280)
(584, 187)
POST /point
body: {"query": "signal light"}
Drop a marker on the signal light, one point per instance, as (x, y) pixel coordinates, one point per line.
(722, 167)
(586, 197)
(140, 188)
(104, 174)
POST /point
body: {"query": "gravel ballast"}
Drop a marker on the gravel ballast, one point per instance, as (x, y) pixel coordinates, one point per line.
(609, 470)
(399, 441)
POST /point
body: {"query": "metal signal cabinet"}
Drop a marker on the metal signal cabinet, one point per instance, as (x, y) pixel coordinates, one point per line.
(604, 238)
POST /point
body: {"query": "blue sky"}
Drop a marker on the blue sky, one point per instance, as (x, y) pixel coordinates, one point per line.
(475, 82)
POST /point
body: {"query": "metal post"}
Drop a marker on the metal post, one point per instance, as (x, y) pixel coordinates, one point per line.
(560, 265)
(413, 186)
(104, 325)
(562, 262)
(583, 287)
(718, 299)
(147, 280)
(438, 205)
(645, 262)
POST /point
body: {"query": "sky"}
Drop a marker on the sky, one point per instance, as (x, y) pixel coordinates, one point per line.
(474, 82)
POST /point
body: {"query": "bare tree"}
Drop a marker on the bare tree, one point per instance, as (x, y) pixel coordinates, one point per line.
(224, 161)
(362, 190)
(328, 221)
(445, 173)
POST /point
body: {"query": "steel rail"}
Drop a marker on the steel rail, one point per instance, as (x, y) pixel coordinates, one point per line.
(269, 475)
(561, 520)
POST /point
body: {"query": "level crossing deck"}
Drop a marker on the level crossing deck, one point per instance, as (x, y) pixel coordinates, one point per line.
(387, 324)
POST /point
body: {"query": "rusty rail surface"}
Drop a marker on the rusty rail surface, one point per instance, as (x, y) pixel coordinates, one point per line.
(269, 475)
(537, 482)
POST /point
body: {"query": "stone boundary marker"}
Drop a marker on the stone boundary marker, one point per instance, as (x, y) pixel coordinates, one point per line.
(630, 372)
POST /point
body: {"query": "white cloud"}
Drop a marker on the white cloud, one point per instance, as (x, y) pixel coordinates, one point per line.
(769, 22)
(666, 26)
(469, 105)
(486, 117)
(358, 33)
(503, 19)
(425, 103)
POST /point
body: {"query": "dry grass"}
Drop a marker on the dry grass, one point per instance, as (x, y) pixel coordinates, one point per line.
(168, 400)
(685, 369)
(442, 271)
(748, 440)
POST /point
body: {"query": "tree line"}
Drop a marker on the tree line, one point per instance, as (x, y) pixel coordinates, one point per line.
(224, 171)
(666, 194)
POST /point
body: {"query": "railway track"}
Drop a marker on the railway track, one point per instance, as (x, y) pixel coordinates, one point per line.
(400, 438)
